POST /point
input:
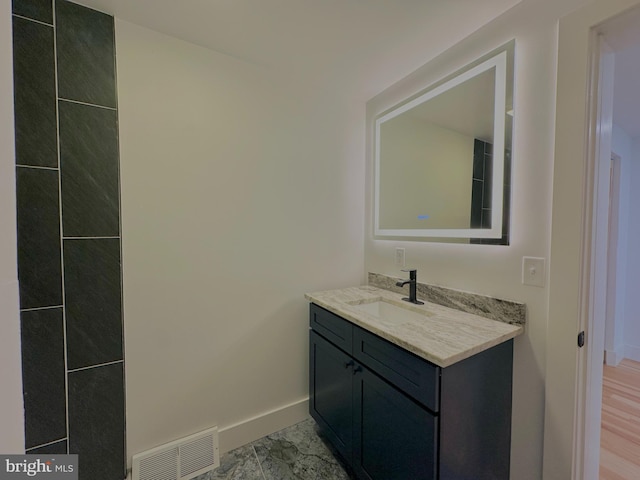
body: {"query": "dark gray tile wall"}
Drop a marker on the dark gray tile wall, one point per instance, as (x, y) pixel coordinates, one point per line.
(34, 94)
(38, 219)
(43, 376)
(56, 447)
(86, 55)
(89, 169)
(476, 203)
(481, 192)
(96, 416)
(39, 10)
(93, 301)
(69, 249)
(506, 200)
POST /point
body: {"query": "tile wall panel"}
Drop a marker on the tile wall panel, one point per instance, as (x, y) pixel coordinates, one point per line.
(478, 159)
(481, 199)
(71, 342)
(488, 181)
(486, 218)
(40, 10)
(34, 94)
(86, 55)
(96, 417)
(38, 218)
(476, 203)
(506, 216)
(43, 376)
(89, 171)
(93, 301)
(57, 447)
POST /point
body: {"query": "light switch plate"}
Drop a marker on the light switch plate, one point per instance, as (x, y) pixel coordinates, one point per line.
(533, 271)
(400, 257)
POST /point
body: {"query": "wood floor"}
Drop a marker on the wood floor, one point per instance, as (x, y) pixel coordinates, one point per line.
(620, 434)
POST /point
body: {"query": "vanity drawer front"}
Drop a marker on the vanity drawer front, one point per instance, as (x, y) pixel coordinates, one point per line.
(332, 327)
(415, 376)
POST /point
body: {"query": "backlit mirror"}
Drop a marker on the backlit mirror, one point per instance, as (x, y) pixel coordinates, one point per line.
(443, 158)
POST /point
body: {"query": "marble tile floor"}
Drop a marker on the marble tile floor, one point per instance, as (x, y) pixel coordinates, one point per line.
(295, 453)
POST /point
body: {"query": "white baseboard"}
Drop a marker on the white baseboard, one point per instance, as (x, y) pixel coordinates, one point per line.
(632, 352)
(241, 433)
(613, 357)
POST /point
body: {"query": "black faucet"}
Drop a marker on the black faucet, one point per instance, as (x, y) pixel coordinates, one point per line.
(413, 284)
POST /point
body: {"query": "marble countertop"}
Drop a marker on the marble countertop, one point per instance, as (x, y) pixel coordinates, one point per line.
(440, 334)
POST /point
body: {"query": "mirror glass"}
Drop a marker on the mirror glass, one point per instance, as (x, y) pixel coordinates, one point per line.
(442, 158)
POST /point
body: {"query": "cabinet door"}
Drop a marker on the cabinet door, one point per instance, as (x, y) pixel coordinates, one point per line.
(412, 375)
(394, 437)
(331, 392)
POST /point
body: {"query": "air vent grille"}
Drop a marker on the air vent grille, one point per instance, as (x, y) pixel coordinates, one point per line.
(161, 466)
(196, 455)
(181, 459)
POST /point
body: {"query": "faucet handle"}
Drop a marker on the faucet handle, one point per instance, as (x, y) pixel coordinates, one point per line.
(413, 273)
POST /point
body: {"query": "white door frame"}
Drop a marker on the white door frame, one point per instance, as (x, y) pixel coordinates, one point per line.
(595, 264)
(578, 248)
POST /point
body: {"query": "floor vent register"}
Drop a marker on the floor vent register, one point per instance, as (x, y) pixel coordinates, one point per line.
(181, 459)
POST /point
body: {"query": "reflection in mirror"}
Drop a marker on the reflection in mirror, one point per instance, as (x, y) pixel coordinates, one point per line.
(442, 159)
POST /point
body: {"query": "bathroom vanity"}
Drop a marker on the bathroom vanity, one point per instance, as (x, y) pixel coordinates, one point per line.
(410, 392)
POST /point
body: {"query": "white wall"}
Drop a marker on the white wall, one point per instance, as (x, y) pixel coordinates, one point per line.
(614, 328)
(241, 191)
(496, 270)
(632, 308)
(11, 407)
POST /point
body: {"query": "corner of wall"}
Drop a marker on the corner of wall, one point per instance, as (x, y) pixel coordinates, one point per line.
(613, 357)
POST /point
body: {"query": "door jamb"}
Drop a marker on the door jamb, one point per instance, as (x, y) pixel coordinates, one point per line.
(592, 309)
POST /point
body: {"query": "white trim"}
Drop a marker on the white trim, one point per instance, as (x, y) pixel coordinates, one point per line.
(251, 429)
(499, 62)
(593, 281)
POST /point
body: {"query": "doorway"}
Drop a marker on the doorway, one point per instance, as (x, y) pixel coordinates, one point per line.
(588, 40)
(619, 446)
(619, 441)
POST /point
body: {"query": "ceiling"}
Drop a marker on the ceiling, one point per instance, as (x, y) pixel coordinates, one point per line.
(467, 108)
(361, 45)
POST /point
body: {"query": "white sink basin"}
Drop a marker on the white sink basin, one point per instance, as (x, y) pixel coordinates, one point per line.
(392, 312)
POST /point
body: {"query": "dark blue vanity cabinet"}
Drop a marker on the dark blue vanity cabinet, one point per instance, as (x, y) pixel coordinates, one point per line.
(392, 415)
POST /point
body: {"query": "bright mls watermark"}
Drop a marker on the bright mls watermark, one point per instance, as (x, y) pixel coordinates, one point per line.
(51, 467)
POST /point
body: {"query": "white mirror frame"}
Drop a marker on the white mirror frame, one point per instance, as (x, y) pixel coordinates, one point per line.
(499, 62)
